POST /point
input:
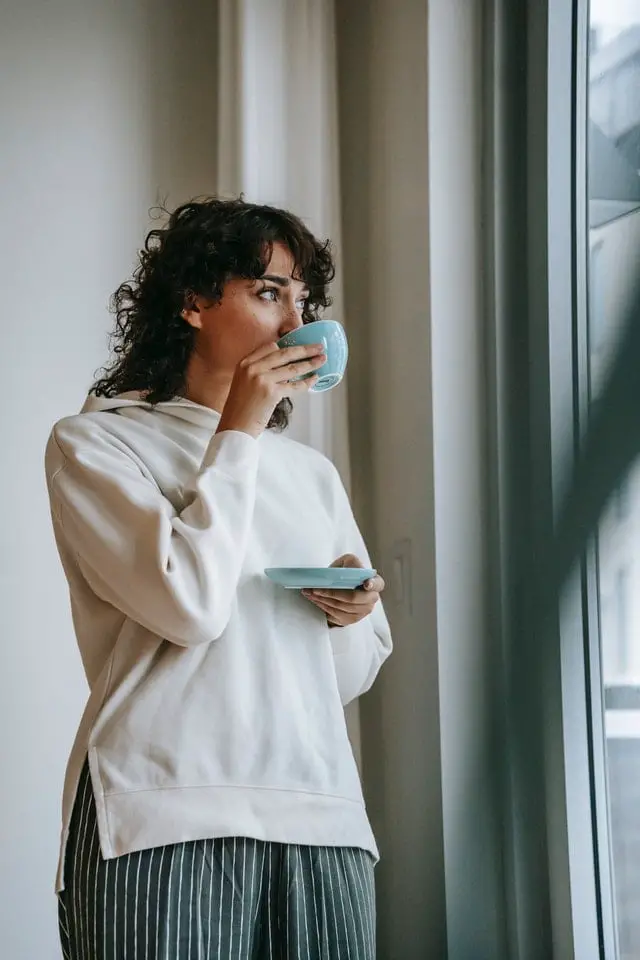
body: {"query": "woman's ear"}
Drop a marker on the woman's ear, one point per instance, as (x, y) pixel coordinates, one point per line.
(191, 313)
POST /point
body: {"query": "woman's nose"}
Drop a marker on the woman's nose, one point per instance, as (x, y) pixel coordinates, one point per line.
(291, 321)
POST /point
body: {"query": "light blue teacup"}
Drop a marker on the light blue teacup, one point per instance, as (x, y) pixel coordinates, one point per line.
(331, 334)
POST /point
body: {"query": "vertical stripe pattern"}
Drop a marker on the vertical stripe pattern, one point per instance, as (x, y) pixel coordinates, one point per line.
(224, 899)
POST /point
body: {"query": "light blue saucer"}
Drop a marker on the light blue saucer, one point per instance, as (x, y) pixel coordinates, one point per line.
(320, 578)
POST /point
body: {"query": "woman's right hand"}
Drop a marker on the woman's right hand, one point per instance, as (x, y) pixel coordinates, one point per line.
(263, 379)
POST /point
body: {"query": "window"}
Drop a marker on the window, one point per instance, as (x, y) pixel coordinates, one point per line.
(565, 237)
(614, 254)
(597, 297)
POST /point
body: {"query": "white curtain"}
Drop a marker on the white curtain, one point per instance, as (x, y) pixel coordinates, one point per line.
(278, 144)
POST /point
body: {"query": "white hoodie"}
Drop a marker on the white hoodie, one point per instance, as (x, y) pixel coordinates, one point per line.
(216, 696)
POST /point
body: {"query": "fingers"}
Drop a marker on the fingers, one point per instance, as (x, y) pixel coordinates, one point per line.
(264, 351)
(348, 599)
(294, 370)
(299, 386)
(375, 585)
(371, 587)
(287, 367)
(271, 357)
(339, 615)
(333, 610)
(348, 560)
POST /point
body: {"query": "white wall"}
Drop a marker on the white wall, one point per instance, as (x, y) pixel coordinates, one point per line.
(103, 108)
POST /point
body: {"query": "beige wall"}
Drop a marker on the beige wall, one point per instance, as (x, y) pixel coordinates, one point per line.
(383, 91)
(104, 108)
(411, 111)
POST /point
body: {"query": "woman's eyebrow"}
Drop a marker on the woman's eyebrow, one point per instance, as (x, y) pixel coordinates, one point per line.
(281, 281)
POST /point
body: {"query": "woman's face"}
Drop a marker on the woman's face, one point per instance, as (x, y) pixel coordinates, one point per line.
(250, 314)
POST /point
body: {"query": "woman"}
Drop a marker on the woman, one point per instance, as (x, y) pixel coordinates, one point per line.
(212, 807)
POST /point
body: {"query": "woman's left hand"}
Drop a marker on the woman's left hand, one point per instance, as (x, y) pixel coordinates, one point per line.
(346, 607)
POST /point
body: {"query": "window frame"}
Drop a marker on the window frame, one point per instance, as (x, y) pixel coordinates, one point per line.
(559, 889)
(557, 212)
(578, 817)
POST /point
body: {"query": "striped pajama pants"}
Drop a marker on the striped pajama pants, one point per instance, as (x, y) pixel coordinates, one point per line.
(225, 899)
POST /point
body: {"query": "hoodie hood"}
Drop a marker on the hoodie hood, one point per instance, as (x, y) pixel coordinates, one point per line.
(177, 407)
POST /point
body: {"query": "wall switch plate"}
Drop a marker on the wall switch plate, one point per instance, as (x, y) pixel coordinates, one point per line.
(401, 571)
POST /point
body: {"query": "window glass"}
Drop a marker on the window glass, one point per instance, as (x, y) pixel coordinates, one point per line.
(614, 261)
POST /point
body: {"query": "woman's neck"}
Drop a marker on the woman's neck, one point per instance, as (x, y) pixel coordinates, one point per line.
(209, 388)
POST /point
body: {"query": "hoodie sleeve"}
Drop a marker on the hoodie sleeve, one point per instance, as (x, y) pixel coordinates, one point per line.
(360, 649)
(176, 573)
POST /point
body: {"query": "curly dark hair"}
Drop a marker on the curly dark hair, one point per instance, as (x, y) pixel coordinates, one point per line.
(204, 243)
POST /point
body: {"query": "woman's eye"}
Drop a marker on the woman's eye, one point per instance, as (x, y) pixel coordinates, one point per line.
(271, 295)
(267, 291)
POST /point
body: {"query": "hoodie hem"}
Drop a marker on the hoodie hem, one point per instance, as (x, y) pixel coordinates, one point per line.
(144, 819)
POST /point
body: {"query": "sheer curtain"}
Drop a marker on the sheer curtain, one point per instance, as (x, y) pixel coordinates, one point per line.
(278, 143)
